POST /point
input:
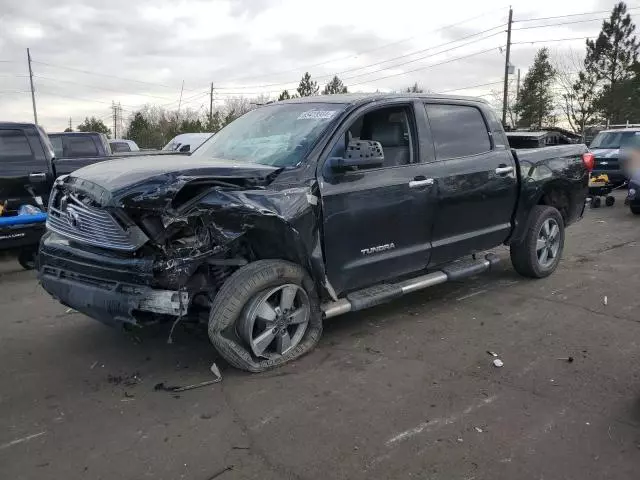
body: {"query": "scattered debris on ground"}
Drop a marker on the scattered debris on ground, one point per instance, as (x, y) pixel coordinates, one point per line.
(176, 388)
(498, 363)
(567, 359)
(493, 354)
(605, 301)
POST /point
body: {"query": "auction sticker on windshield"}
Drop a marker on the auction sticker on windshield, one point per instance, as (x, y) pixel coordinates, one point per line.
(317, 114)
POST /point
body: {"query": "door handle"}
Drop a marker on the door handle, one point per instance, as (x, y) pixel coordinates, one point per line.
(503, 170)
(420, 183)
(37, 177)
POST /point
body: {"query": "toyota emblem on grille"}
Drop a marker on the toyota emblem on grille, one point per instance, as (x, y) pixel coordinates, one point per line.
(73, 218)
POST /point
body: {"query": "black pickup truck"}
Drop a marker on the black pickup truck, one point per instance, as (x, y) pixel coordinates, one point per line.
(303, 210)
(28, 168)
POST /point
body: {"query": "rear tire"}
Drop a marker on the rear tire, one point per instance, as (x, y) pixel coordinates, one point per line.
(596, 202)
(609, 201)
(539, 252)
(237, 298)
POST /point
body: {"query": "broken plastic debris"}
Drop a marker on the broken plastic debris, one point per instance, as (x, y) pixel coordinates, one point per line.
(493, 354)
(498, 363)
(175, 388)
(605, 300)
(567, 359)
(479, 430)
(70, 310)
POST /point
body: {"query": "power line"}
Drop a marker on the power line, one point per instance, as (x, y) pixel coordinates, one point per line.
(293, 82)
(560, 24)
(551, 40)
(569, 15)
(497, 82)
(98, 88)
(103, 75)
(427, 66)
(304, 67)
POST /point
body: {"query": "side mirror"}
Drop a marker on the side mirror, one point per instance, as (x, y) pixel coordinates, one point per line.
(360, 153)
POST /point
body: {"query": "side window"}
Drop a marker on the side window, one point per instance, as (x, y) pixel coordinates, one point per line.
(391, 127)
(80, 146)
(117, 147)
(457, 130)
(14, 146)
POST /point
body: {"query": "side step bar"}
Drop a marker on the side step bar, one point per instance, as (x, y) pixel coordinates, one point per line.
(386, 292)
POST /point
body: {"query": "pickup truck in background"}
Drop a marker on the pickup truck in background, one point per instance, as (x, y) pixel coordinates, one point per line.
(607, 148)
(303, 210)
(28, 168)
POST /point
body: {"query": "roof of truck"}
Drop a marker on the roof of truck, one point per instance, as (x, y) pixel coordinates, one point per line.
(16, 124)
(351, 98)
(616, 130)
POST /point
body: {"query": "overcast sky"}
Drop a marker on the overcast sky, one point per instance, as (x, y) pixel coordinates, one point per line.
(247, 47)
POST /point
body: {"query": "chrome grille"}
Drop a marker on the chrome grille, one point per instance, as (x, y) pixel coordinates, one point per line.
(71, 218)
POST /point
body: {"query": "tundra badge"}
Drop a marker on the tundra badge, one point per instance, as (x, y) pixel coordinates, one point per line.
(378, 249)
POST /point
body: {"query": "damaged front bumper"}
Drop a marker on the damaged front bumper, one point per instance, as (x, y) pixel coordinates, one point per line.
(110, 288)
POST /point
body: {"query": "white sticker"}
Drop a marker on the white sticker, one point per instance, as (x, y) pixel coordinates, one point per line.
(317, 114)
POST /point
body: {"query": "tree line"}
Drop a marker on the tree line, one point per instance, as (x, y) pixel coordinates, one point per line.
(599, 87)
(154, 126)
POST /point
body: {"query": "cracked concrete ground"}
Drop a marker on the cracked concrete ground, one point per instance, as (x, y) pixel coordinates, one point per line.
(400, 391)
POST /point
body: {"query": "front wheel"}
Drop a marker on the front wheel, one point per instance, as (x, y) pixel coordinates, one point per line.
(266, 314)
(635, 209)
(539, 252)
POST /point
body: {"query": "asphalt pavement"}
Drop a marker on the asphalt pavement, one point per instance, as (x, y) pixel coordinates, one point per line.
(405, 390)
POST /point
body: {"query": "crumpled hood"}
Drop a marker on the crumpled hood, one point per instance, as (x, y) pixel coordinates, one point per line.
(606, 152)
(156, 179)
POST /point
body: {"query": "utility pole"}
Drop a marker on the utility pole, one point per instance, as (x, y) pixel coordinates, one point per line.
(211, 105)
(33, 94)
(115, 119)
(517, 92)
(505, 96)
(180, 102)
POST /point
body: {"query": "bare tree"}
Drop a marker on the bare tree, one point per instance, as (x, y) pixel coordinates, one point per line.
(495, 99)
(580, 88)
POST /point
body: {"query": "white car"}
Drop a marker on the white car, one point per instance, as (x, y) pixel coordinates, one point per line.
(187, 142)
(120, 145)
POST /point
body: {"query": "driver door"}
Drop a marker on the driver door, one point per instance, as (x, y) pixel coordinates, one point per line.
(377, 221)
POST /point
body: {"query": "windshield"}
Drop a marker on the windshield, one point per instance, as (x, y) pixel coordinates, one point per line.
(615, 139)
(280, 134)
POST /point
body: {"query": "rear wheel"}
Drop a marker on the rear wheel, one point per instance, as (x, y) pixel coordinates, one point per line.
(609, 201)
(539, 252)
(266, 314)
(596, 202)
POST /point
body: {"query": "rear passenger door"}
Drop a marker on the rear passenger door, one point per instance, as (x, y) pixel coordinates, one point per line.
(24, 170)
(78, 151)
(477, 182)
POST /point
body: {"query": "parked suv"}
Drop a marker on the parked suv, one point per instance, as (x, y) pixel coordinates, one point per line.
(303, 210)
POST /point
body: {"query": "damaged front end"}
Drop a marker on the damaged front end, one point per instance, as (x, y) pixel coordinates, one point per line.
(141, 249)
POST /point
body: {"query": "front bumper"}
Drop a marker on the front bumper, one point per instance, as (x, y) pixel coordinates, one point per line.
(107, 287)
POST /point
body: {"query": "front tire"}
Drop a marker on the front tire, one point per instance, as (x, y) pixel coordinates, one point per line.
(539, 252)
(635, 209)
(266, 314)
(27, 258)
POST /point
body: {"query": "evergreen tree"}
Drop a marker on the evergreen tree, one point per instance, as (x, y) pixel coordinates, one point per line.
(93, 125)
(612, 57)
(534, 105)
(307, 87)
(415, 88)
(334, 86)
(284, 95)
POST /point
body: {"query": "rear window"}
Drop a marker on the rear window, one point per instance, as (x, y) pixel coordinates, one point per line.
(615, 139)
(523, 142)
(13, 143)
(80, 146)
(457, 130)
(56, 142)
(120, 147)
